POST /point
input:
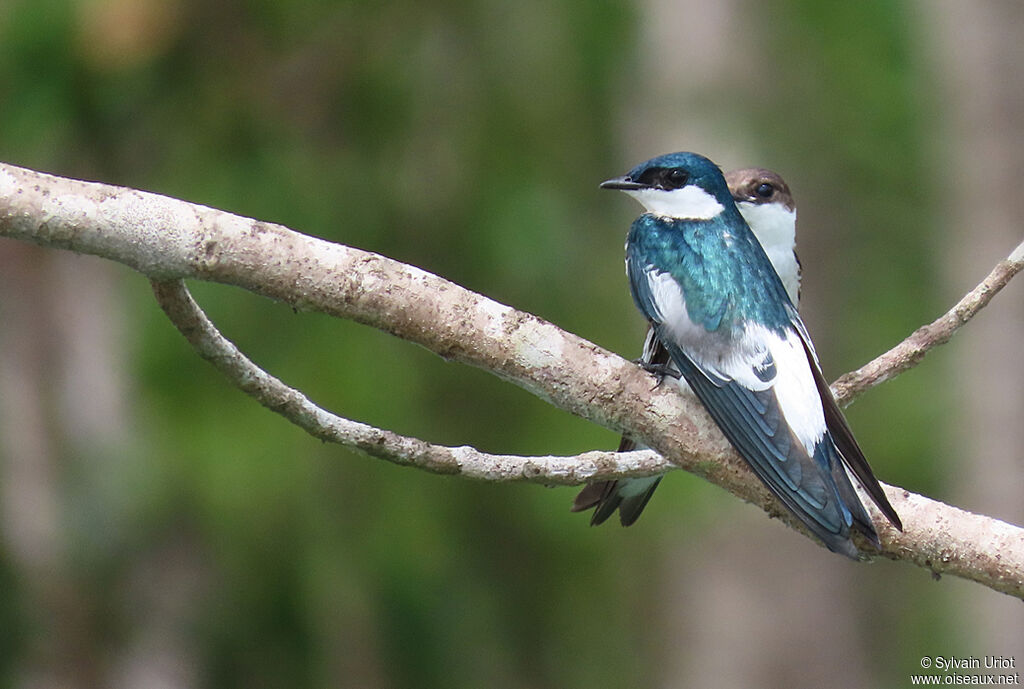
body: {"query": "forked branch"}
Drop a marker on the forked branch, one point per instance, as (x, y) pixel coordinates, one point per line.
(169, 240)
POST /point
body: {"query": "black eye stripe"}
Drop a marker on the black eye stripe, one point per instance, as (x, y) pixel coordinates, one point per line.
(675, 178)
(667, 178)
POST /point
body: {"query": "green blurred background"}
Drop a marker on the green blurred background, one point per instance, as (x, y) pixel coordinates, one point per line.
(161, 530)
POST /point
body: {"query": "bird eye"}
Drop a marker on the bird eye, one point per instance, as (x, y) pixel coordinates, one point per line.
(676, 179)
(764, 190)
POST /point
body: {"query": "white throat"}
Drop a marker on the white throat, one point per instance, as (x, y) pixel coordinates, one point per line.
(689, 203)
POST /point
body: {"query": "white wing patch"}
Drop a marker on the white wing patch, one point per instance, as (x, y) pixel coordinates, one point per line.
(758, 359)
(708, 348)
(794, 385)
(689, 203)
(666, 295)
(762, 360)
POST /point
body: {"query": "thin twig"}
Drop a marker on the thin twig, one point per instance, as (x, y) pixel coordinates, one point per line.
(176, 301)
(910, 351)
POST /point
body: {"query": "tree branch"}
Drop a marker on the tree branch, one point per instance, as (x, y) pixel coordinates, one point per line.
(168, 240)
(910, 351)
(209, 343)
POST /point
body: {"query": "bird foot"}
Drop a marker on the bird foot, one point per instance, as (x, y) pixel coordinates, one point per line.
(659, 371)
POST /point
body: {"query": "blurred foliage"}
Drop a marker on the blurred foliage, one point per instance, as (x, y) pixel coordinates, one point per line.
(466, 138)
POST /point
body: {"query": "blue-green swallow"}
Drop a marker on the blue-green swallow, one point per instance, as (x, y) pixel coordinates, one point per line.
(715, 302)
(766, 203)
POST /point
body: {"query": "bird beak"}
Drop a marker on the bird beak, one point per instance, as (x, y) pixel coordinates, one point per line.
(622, 183)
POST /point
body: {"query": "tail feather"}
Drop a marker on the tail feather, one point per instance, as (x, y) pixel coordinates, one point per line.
(629, 496)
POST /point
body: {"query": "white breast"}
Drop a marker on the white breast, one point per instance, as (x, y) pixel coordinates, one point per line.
(775, 227)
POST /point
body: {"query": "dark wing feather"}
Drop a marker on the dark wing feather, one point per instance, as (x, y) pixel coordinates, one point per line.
(631, 506)
(640, 288)
(590, 495)
(849, 450)
(607, 496)
(610, 496)
(752, 421)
